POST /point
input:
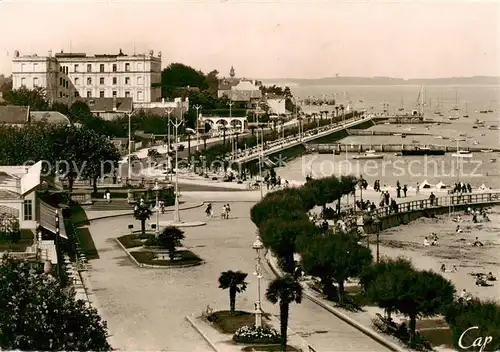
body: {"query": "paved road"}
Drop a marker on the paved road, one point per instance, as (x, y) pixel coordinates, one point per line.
(145, 308)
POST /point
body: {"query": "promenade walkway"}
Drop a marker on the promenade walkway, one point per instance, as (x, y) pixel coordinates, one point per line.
(288, 142)
(145, 308)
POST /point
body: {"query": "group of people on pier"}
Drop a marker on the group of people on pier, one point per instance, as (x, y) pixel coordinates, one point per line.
(462, 188)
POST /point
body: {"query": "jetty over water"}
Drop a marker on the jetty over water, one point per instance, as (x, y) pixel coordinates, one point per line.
(412, 210)
(357, 132)
(285, 143)
(332, 148)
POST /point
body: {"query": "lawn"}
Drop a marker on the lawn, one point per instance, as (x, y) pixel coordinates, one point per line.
(148, 258)
(130, 241)
(25, 241)
(227, 323)
(78, 216)
(438, 337)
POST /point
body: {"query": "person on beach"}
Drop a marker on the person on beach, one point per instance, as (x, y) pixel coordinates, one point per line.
(490, 277)
(208, 211)
(228, 210)
(477, 243)
(387, 197)
(426, 242)
(465, 296)
(405, 189)
(458, 229)
(224, 212)
(417, 189)
(107, 196)
(398, 189)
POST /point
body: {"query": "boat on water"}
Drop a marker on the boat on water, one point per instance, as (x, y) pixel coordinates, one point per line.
(462, 154)
(415, 141)
(489, 110)
(368, 156)
(486, 150)
(494, 127)
(453, 118)
(493, 160)
(397, 134)
(421, 151)
(483, 111)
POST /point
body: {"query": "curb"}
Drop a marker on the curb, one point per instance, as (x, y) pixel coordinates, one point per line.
(128, 253)
(141, 265)
(205, 337)
(367, 331)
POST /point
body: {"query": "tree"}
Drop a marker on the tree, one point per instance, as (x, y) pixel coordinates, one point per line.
(423, 294)
(483, 315)
(284, 290)
(170, 238)
(34, 98)
(9, 228)
(381, 281)
(180, 75)
(235, 282)
(37, 314)
(142, 212)
(335, 258)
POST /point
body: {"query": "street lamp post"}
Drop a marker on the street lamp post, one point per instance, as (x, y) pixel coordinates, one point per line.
(169, 112)
(230, 104)
(157, 191)
(258, 246)
(129, 147)
(177, 124)
(377, 223)
(58, 264)
(197, 107)
(260, 151)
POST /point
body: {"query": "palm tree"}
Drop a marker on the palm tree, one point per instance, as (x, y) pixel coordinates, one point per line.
(142, 212)
(284, 290)
(170, 238)
(235, 282)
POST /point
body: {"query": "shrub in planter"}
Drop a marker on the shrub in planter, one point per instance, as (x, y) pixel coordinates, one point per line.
(252, 334)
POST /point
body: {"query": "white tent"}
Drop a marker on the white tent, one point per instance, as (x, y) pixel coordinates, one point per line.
(483, 187)
(425, 184)
(441, 185)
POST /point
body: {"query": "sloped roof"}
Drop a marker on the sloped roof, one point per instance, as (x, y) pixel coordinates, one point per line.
(53, 117)
(272, 96)
(108, 104)
(11, 114)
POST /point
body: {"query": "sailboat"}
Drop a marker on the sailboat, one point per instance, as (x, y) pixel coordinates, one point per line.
(466, 112)
(456, 108)
(462, 153)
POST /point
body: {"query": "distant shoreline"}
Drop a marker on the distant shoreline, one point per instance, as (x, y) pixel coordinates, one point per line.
(388, 81)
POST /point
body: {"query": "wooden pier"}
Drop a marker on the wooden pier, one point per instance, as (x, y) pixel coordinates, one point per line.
(381, 148)
(355, 132)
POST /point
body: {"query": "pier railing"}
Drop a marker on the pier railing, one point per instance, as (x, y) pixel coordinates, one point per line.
(439, 202)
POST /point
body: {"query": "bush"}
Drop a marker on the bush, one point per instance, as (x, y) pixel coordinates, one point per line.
(252, 334)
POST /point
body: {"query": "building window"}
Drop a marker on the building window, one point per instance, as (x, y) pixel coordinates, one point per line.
(28, 210)
(89, 94)
(115, 94)
(89, 81)
(139, 80)
(101, 68)
(127, 80)
(114, 68)
(60, 95)
(77, 81)
(115, 80)
(76, 67)
(23, 67)
(77, 94)
(127, 67)
(35, 67)
(60, 81)
(23, 81)
(35, 81)
(139, 66)
(127, 94)
(60, 68)
(101, 80)
(66, 69)
(140, 95)
(89, 67)
(66, 84)
(101, 94)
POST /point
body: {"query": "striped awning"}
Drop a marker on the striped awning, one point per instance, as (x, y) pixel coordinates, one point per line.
(48, 219)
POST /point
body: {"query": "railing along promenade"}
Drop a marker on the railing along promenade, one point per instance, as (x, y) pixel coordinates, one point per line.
(439, 203)
(289, 142)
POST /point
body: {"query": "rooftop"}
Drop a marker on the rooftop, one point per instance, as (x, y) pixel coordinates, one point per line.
(120, 105)
(53, 117)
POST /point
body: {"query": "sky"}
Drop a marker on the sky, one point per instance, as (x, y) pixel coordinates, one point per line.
(268, 39)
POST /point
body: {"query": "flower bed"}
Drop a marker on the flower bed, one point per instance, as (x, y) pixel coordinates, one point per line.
(257, 335)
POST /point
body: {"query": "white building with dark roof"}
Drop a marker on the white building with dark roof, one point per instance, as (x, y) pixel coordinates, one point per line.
(68, 76)
(239, 89)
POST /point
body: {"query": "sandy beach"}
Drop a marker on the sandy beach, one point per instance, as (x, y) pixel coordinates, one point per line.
(452, 249)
